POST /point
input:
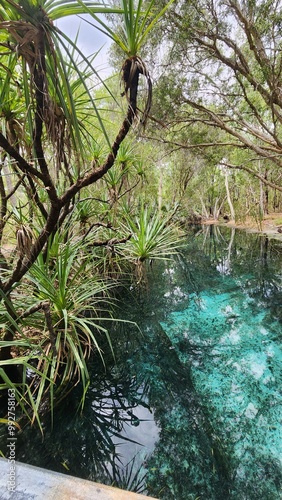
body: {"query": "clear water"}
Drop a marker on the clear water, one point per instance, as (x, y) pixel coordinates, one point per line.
(192, 407)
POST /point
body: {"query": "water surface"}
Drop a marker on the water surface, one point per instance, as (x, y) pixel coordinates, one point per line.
(192, 407)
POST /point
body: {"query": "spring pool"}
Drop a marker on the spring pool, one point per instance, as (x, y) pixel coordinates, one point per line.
(191, 408)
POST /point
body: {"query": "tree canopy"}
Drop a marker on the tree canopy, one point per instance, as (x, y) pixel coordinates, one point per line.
(219, 83)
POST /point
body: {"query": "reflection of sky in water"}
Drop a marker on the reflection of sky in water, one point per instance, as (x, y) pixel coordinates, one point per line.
(223, 267)
(137, 429)
(142, 429)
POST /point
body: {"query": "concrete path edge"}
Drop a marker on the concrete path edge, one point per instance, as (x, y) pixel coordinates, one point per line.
(19, 481)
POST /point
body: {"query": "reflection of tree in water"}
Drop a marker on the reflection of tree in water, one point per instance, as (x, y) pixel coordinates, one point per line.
(184, 459)
(185, 464)
(82, 441)
(235, 253)
(192, 457)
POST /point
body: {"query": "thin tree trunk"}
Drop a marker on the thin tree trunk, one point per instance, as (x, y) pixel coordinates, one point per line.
(160, 191)
(229, 201)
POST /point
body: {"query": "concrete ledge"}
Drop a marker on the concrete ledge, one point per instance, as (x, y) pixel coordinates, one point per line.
(34, 483)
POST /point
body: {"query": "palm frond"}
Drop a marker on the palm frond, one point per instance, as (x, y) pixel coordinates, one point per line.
(153, 236)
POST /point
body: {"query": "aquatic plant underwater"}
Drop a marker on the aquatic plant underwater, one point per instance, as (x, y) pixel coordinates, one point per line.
(191, 406)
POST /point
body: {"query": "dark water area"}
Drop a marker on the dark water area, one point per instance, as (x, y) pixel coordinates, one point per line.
(191, 408)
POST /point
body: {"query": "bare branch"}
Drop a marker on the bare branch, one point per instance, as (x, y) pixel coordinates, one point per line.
(111, 242)
(254, 173)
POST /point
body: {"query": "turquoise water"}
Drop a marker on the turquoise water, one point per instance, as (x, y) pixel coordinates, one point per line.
(192, 407)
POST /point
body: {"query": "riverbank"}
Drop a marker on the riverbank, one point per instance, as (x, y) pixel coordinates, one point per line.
(271, 225)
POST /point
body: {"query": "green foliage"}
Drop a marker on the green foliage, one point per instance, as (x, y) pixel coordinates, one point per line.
(153, 236)
(138, 20)
(55, 144)
(66, 71)
(216, 79)
(65, 282)
(77, 296)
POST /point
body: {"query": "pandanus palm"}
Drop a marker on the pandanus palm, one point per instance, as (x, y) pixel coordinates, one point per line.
(35, 73)
(33, 60)
(117, 179)
(30, 36)
(138, 20)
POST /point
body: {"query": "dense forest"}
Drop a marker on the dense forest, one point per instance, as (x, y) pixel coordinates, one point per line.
(99, 177)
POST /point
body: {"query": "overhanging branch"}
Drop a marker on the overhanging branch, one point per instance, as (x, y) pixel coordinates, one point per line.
(254, 174)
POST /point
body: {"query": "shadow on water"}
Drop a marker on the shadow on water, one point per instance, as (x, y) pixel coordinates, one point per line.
(192, 406)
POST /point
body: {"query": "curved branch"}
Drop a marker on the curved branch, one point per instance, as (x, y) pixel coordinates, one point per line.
(99, 172)
(23, 165)
(220, 123)
(254, 174)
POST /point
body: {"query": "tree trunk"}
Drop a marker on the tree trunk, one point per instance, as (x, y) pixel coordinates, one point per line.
(229, 201)
(160, 192)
